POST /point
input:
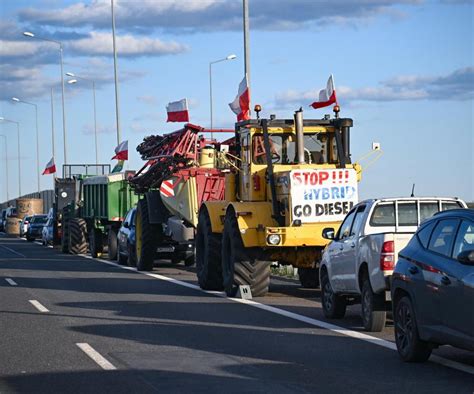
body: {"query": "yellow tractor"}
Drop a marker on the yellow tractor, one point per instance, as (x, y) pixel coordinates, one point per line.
(294, 178)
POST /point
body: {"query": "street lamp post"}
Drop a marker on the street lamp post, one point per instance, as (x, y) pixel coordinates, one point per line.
(31, 35)
(6, 164)
(17, 100)
(73, 81)
(19, 158)
(230, 57)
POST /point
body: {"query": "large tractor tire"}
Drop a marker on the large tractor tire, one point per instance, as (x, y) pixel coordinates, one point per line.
(309, 277)
(208, 254)
(78, 236)
(148, 237)
(96, 243)
(112, 244)
(240, 265)
(65, 237)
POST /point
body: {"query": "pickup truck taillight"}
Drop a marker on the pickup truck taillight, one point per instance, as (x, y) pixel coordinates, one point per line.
(387, 256)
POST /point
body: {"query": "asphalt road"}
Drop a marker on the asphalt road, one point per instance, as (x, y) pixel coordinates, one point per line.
(102, 328)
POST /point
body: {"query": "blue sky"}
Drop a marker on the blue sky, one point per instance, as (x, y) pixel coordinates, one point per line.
(403, 71)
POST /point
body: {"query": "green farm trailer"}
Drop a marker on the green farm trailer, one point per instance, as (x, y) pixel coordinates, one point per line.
(104, 203)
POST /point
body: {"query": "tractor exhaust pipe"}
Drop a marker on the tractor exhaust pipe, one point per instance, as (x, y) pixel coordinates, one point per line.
(299, 135)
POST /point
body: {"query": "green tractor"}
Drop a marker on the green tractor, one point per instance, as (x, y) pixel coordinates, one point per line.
(93, 217)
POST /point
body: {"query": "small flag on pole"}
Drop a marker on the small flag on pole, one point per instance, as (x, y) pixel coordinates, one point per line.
(118, 167)
(50, 167)
(241, 105)
(178, 111)
(121, 151)
(327, 96)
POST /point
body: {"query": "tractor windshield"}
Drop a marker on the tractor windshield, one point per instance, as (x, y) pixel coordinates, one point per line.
(319, 148)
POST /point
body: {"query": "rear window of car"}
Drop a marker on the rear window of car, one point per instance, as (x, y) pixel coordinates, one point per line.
(39, 219)
(384, 213)
(446, 205)
(443, 236)
(424, 234)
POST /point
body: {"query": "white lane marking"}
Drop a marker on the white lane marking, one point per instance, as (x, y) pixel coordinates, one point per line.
(38, 306)
(96, 356)
(314, 322)
(11, 250)
(38, 243)
(11, 282)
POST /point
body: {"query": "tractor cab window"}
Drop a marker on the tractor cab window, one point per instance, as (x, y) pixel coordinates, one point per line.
(283, 148)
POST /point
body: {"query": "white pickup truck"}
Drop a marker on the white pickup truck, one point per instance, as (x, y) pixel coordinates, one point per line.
(357, 265)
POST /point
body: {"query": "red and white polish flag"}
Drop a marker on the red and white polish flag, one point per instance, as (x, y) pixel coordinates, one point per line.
(166, 188)
(178, 111)
(121, 151)
(326, 96)
(241, 105)
(50, 167)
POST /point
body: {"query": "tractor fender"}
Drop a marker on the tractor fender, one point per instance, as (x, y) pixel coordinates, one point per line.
(253, 218)
(216, 211)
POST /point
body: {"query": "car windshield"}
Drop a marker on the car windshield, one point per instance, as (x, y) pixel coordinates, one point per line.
(318, 147)
(39, 219)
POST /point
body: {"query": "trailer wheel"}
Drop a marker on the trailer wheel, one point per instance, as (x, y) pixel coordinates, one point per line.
(309, 277)
(96, 246)
(77, 236)
(189, 261)
(208, 254)
(147, 238)
(112, 243)
(240, 265)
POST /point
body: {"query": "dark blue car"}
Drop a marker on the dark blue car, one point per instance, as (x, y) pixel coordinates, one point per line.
(433, 286)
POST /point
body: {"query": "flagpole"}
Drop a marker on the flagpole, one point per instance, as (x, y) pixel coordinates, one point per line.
(52, 131)
(117, 109)
(246, 44)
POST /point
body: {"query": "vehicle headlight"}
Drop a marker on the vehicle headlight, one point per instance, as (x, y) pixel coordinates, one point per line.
(274, 239)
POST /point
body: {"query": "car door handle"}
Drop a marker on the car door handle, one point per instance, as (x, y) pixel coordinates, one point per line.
(413, 270)
(445, 280)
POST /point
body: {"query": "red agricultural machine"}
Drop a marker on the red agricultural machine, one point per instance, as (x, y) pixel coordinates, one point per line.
(183, 169)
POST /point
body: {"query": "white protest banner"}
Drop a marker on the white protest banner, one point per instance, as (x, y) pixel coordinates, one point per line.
(323, 195)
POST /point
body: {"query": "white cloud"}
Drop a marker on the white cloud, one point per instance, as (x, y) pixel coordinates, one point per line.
(101, 44)
(458, 85)
(89, 129)
(195, 15)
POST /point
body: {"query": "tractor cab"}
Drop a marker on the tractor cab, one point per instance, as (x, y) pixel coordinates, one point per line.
(308, 166)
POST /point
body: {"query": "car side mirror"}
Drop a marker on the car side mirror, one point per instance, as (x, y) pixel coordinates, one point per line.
(126, 225)
(466, 257)
(329, 233)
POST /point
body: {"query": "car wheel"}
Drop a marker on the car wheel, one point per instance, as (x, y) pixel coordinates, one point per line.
(409, 345)
(131, 260)
(373, 315)
(334, 306)
(122, 260)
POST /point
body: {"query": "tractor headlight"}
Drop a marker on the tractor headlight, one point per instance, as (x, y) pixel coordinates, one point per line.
(274, 239)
